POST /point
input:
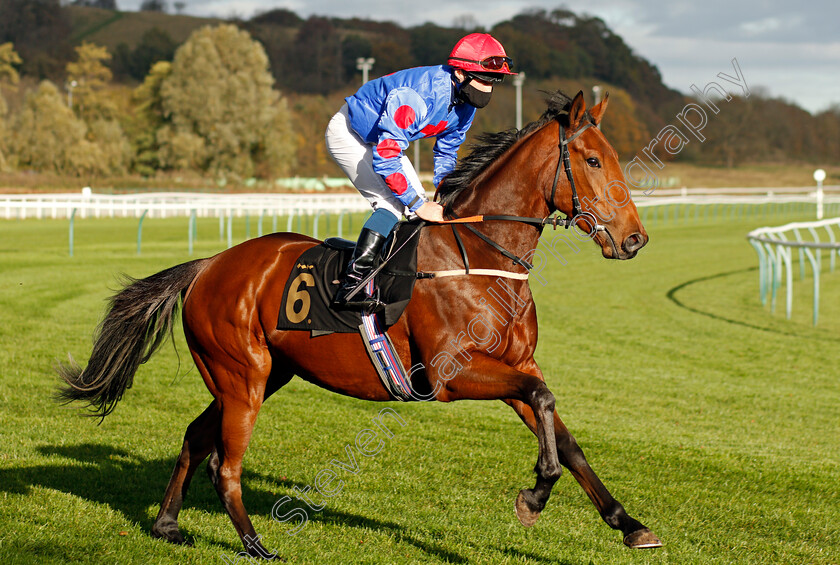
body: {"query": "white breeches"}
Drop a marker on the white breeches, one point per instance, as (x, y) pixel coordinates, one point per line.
(355, 157)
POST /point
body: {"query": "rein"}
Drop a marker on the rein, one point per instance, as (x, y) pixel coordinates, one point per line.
(540, 223)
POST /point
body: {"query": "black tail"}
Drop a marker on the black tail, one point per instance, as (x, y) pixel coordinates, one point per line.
(139, 318)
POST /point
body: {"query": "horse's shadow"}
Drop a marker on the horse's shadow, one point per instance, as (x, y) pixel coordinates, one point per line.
(110, 475)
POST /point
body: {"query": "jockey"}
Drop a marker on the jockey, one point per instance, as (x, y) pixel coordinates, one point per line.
(368, 136)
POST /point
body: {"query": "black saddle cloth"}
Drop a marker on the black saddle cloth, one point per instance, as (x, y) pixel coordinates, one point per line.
(318, 273)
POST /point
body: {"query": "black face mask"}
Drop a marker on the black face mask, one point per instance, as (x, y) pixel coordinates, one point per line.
(473, 96)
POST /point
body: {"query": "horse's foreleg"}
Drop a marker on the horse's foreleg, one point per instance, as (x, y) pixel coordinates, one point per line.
(489, 379)
(198, 441)
(636, 535)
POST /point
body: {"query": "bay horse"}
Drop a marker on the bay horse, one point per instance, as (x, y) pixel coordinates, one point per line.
(231, 303)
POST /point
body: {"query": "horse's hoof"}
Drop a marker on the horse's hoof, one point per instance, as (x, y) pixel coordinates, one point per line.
(642, 539)
(526, 514)
(169, 531)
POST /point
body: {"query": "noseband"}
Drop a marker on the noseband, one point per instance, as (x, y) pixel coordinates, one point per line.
(555, 220)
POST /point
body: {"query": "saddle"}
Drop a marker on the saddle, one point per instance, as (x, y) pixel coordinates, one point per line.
(317, 275)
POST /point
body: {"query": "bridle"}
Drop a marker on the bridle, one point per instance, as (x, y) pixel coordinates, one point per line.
(555, 220)
(540, 223)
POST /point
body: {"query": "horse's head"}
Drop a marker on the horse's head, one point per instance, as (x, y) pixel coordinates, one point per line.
(606, 211)
(504, 168)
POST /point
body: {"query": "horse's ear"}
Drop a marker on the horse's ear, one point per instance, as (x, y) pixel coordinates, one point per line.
(577, 111)
(597, 111)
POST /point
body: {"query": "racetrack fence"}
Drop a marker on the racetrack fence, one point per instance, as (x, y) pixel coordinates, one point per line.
(775, 247)
(315, 211)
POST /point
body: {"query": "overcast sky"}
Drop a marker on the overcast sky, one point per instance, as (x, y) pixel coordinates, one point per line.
(792, 49)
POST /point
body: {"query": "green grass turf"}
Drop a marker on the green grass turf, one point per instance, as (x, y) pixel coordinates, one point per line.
(714, 421)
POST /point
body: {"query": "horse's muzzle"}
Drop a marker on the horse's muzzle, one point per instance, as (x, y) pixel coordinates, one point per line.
(634, 242)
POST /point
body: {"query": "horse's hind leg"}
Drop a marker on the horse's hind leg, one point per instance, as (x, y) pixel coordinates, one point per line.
(636, 535)
(198, 441)
(225, 469)
(240, 406)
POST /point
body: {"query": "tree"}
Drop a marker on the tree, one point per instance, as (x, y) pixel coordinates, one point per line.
(48, 137)
(8, 75)
(732, 136)
(9, 59)
(153, 6)
(40, 30)
(91, 77)
(828, 131)
(466, 23)
(391, 56)
(109, 144)
(316, 53)
(353, 47)
(155, 45)
(225, 116)
(121, 61)
(113, 147)
(278, 16)
(622, 126)
(103, 4)
(431, 45)
(148, 119)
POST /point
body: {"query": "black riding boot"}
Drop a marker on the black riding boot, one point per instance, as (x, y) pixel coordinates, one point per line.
(365, 258)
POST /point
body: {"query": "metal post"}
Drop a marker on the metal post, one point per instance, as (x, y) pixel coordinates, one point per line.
(819, 176)
(70, 86)
(72, 220)
(517, 82)
(140, 230)
(315, 224)
(365, 64)
(762, 269)
(230, 229)
(191, 230)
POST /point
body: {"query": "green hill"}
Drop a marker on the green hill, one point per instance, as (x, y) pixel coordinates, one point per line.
(110, 28)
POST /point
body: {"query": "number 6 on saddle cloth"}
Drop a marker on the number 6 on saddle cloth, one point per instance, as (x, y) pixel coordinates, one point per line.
(315, 279)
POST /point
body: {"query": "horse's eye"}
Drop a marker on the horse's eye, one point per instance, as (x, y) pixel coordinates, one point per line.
(594, 162)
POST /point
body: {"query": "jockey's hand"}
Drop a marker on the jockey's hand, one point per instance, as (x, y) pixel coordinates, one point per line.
(430, 211)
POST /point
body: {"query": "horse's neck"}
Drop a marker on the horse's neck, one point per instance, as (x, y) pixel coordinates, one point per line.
(512, 187)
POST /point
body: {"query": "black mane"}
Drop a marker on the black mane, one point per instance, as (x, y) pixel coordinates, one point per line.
(491, 146)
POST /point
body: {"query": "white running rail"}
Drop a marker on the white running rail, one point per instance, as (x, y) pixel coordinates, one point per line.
(775, 247)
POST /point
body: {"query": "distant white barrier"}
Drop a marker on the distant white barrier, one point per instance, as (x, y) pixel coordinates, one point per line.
(671, 205)
(168, 204)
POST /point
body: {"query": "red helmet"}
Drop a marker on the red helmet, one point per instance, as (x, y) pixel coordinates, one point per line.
(482, 55)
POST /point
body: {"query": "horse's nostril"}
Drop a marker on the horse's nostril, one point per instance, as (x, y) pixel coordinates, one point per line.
(634, 242)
